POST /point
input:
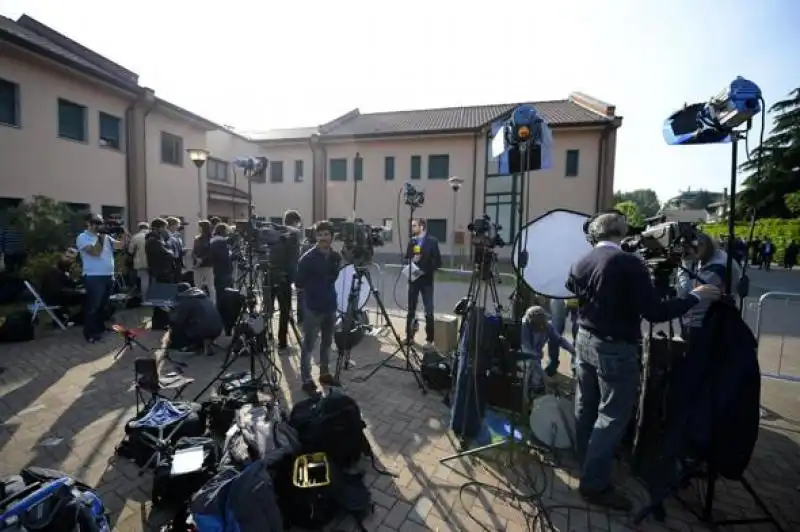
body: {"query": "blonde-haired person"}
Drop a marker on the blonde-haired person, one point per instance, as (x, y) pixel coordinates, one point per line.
(201, 253)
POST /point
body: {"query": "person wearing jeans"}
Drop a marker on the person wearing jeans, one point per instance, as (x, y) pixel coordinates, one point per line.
(423, 250)
(317, 271)
(615, 292)
(97, 256)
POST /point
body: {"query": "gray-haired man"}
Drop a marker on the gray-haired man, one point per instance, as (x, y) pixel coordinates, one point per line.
(615, 291)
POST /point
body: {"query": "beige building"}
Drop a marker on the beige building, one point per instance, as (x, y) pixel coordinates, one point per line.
(81, 129)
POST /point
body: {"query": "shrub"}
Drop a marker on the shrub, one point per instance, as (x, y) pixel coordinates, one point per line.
(780, 231)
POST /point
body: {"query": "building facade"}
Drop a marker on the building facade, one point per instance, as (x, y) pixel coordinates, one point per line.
(80, 129)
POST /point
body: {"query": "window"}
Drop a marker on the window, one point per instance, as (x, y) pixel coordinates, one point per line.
(78, 208)
(217, 170)
(9, 103)
(501, 208)
(438, 166)
(571, 169)
(298, 171)
(358, 169)
(388, 168)
(276, 171)
(110, 131)
(276, 220)
(388, 223)
(437, 228)
(71, 121)
(338, 170)
(416, 167)
(171, 149)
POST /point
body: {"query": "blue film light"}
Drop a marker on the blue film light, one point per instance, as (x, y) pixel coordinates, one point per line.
(523, 142)
(713, 122)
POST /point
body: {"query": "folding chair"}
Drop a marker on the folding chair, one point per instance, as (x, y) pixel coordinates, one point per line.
(39, 305)
(148, 381)
(162, 414)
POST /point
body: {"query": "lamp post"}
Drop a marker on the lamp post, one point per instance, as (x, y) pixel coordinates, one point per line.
(455, 184)
(199, 158)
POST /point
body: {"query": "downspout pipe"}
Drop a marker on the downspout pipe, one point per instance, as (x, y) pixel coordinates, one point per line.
(144, 152)
(601, 163)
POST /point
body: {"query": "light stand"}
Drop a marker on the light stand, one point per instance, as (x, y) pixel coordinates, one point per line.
(199, 158)
(406, 347)
(455, 184)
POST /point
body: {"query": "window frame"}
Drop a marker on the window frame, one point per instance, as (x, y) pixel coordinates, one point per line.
(75, 106)
(437, 158)
(569, 172)
(341, 164)
(443, 239)
(100, 116)
(276, 171)
(215, 163)
(388, 168)
(179, 152)
(416, 161)
(17, 111)
(299, 170)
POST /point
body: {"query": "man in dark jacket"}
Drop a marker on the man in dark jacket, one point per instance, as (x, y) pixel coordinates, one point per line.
(423, 250)
(316, 276)
(160, 258)
(220, 258)
(194, 320)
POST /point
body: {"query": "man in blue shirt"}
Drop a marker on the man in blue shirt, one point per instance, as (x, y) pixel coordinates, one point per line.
(97, 256)
(316, 275)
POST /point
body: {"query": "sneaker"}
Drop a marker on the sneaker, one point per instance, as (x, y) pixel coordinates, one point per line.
(310, 387)
(608, 498)
(328, 380)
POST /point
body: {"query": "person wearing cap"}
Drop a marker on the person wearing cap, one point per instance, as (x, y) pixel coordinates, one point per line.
(97, 257)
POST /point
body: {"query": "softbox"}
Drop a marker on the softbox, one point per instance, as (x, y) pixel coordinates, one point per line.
(554, 242)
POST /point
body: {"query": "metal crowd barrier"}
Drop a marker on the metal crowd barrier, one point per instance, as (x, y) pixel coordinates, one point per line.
(787, 297)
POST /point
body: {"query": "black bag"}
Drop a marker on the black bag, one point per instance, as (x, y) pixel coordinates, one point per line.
(139, 449)
(332, 425)
(17, 327)
(221, 408)
(160, 320)
(313, 508)
(436, 371)
(175, 491)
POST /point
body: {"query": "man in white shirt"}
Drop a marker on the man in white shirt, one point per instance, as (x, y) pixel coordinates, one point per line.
(97, 257)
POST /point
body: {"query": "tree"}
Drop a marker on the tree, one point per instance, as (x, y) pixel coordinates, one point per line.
(42, 222)
(778, 160)
(644, 198)
(631, 212)
(792, 202)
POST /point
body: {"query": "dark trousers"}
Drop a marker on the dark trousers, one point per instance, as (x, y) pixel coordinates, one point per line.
(414, 292)
(98, 292)
(282, 292)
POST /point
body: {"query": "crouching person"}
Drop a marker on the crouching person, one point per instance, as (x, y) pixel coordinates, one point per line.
(537, 330)
(194, 321)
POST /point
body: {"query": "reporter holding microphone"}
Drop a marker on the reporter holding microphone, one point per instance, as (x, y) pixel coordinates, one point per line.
(423, 250)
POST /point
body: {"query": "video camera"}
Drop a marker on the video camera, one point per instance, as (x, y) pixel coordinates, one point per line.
(113, 227)
(485, 237)
(360, 240)
(412, 196)
(662, 244)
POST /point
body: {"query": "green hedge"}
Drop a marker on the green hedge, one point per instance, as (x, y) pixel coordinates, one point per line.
(779, 230)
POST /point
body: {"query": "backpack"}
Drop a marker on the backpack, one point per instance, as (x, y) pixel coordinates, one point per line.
(175, 490)
(314, 507)
(17, 327)
(332, 425)
(236, 501)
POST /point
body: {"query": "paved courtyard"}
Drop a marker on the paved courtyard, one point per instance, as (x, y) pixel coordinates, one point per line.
(63, 404)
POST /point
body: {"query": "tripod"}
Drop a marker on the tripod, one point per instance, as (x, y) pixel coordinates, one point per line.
(405, 347)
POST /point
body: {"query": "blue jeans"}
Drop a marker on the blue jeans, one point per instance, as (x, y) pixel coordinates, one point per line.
(426, 291)
(608, 379)
(316, 323)
(98, 291)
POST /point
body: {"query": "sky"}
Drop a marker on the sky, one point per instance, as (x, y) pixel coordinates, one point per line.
(260, 65)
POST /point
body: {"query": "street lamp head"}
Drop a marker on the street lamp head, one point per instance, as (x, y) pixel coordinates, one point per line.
(198, 156)
(455, 183)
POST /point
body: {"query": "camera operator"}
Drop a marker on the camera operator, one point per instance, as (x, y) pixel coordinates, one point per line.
(201, 253)
(282, 285)
(710, 268)
(317, 271)
(175, 244)
(97, 256)
(423, 249)
(220, 256)
(615, 292)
